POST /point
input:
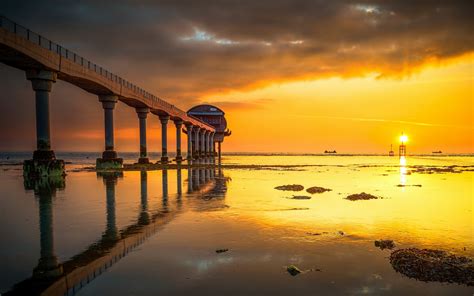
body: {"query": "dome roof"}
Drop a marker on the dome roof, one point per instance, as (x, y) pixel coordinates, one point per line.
(205, 109)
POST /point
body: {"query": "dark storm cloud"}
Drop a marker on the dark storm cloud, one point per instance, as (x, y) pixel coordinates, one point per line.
(181, 50)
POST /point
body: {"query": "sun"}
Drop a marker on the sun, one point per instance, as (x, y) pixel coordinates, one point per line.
(403, 138)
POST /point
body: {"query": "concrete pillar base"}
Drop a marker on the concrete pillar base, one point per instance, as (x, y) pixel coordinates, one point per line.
(164, 159)
(40, 168)
(178, 159)
(143, 160)
(108, 163)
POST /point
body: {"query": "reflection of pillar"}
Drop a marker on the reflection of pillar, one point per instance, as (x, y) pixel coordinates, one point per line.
(178, 124)
(190, 179)
(111, 232)
(144, 215)
(219, 151)
(197, 179)
(219, 171)
(189, 130)
(164, 138)
(178, 181)
(202, 176)
(48, 265)
(142, 114)
(164, 182)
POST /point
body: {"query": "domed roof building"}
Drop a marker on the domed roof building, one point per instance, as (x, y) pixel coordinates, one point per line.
(214, 116)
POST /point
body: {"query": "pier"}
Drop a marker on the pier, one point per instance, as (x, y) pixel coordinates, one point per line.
(45, 62)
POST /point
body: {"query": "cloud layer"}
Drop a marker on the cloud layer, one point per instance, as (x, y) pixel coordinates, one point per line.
(182, 49)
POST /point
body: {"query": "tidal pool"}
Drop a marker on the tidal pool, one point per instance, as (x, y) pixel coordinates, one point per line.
(228, 231)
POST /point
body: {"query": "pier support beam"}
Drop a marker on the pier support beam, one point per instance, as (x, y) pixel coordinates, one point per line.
(196, 151)
(211, 143)
(206, 144)
(44, 162)
(164, 138)
(189, 129)
(109, 158)
(142, 115)
(179, 125)
(203, 143)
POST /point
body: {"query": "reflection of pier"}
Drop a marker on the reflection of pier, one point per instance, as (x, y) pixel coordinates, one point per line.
(50, 277)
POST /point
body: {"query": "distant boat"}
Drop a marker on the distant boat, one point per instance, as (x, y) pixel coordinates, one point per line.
(330, 152)
(437, 152)
(391, 153)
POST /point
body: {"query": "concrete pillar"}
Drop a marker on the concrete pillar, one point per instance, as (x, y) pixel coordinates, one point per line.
(206, 141)
(109, 156)
(189, 129)
(44, 161)
(42, 83)
(142, 115)
(164, 138)
(203, 143)
(197, 145)
(209, 144)
(179, 125)
(213, 147)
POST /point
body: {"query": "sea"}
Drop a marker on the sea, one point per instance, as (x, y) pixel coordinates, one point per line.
(249, 225)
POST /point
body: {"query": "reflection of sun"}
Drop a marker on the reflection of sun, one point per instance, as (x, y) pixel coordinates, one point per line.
(403, 161)
(403, 138)
(403, 170)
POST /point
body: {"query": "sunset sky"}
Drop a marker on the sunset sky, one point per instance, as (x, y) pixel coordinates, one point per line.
(292, 76)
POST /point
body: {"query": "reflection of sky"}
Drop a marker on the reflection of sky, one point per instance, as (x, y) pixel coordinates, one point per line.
(203, 265)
